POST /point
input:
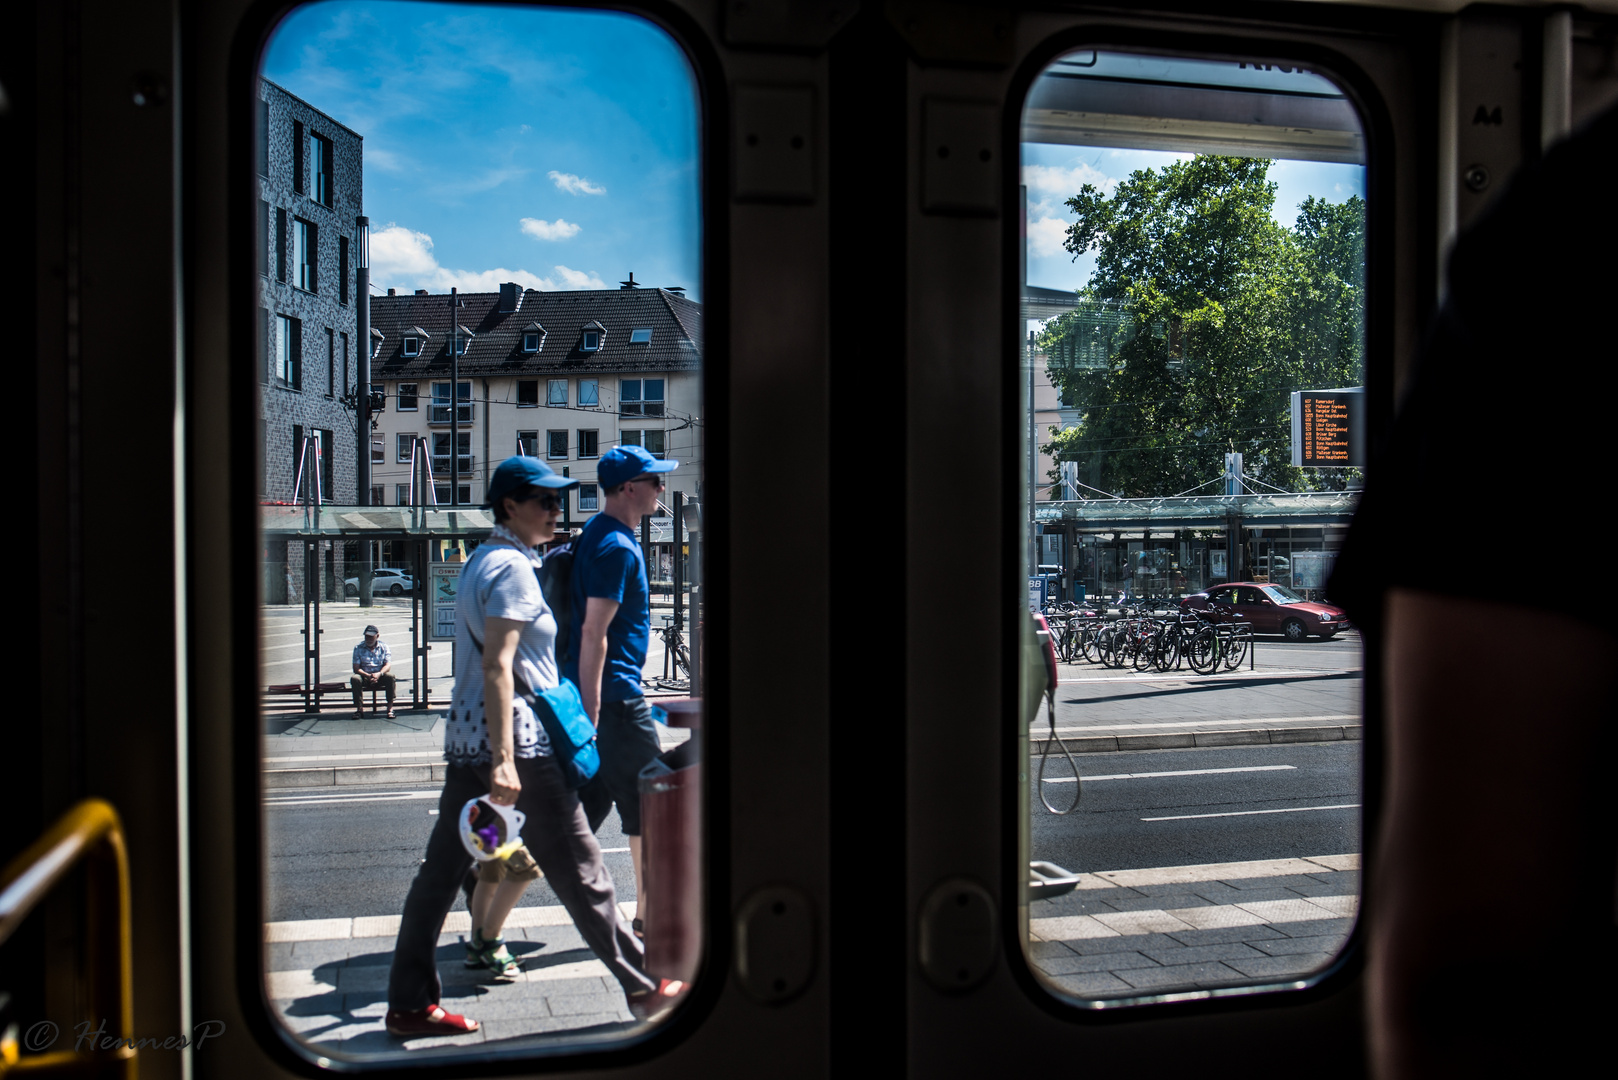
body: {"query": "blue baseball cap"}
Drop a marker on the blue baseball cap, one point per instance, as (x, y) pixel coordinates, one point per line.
(516, 473)
(627, 462)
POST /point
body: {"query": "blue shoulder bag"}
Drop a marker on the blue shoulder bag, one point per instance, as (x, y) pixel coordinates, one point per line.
(573, 738)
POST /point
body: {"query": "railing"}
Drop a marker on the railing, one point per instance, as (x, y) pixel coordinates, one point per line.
(92, 833)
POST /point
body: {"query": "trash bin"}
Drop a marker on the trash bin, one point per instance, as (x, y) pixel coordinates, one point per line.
(671, 857)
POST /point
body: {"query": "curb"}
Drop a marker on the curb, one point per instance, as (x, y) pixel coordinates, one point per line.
(345, 775)
(1190, 740)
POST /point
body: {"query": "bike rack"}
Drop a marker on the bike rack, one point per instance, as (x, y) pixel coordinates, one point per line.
(1048, 881)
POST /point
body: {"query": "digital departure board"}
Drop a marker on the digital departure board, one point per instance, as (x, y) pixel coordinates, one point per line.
(1328, 428)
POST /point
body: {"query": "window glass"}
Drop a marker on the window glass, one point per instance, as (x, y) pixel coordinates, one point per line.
(629, 396)
(653, 442)
(356, 121)
(652, 400)
(1188, 268)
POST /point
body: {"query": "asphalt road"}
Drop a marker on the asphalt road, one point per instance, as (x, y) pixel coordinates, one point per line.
(339, 852)
(1228, 804)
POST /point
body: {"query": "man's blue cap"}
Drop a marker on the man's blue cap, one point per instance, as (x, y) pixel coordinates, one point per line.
(627, 462)
(516, 473)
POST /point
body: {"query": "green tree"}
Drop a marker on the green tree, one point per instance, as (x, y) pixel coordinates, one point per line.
(1226, 313)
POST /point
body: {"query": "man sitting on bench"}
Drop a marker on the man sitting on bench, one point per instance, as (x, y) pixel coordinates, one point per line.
(373, 669)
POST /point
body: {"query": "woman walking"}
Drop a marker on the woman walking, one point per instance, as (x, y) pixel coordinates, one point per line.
(505, 649)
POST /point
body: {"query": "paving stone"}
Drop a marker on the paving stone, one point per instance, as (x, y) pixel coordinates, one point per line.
(503, 1030)
(1280, 881)
(1142, 922)
(1094, 984)
(1073, 965)
(1181, 976)
(1213, 916)
(1040, 951)
(1286, 946)
(1070, 928)
(1218, 935)
(1200, 954)
(311, 954)
(1121, 944)
(585, 1004)
(1282, 966)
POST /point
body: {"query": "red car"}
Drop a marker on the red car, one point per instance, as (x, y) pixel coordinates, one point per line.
(1272, 609)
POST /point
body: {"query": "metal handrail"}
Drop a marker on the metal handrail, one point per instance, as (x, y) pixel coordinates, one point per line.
(92, 833)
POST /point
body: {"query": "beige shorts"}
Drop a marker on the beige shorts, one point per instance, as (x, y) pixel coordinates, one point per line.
(518, 866)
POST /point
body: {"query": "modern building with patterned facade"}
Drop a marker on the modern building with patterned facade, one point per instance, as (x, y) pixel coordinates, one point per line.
(310, 180)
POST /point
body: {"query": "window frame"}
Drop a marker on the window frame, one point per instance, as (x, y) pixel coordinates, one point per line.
(551, 435)
(414, 397)
(595, 393)
(525, 400)
(403, 442)
(410, 346)
(595, 443)
(553, 400)
(528, 443)
(592, 493)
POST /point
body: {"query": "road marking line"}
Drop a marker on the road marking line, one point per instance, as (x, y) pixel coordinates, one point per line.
(1191, 722)
(1249, 813)
(1177, 772)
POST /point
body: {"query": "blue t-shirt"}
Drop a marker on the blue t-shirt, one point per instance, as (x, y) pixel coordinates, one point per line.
(607, 563)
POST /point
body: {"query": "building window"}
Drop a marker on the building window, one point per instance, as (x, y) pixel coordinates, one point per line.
(652, 441)
(588, 445)
(401, 494)
(320, 167)
(289, 341)
(440, 410)
(527, 393)
(587, 497)
(556, 392)
(377, 495)
(651, 396)
(530, 341)
(306, 254)
(266, 346)
(629, 438)
(463, 442)
(320, 465)
(346, 383)
(379, 452)
(589, 393)
(297, 156)
(528, 443)
(593, 335)
(263, 237)
(412, 345)
(280, 244)
(331, 362)
(263, 138)
(629, 397)
(441, 491)
(342, 270)
(462, 342)
(641, 335)
(404, 442)
(556, 444)
(407, 397)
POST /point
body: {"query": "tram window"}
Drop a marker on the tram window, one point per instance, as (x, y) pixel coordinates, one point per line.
(1195, 255)
(442, 152)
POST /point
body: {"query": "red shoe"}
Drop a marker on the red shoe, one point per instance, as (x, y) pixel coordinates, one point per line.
(432, 1020)
(650, 1004)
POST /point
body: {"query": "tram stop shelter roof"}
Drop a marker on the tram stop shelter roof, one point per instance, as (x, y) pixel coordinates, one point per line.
(1202, 511)
(335, 522)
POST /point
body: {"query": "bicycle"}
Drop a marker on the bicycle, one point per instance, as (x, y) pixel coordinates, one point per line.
(676, 655)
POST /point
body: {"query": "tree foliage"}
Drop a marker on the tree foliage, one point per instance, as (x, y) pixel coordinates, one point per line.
(1230, 313)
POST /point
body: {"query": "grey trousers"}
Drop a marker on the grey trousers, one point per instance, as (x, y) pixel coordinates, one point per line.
(559, 838)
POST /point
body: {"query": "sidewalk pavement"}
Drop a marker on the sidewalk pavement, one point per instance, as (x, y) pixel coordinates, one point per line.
(1176, 928)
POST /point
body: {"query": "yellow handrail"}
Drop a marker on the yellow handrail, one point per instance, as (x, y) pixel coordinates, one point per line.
(90, 832)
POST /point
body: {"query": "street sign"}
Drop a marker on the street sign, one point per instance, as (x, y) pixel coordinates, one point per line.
(443, 579)
(1036, 594)
(1328, 428)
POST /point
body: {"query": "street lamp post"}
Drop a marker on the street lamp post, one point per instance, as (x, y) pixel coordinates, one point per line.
(454, 399)
(362, 391)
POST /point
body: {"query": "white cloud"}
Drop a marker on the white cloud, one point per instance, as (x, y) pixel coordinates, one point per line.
(403, 259)
(540, 229)
(1045, 236)
(575, 185)
(1065, 182)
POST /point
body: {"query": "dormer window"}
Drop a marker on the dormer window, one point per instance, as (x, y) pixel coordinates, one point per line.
(463, 341)
(640, 335)
(533, 337)
(594, 335)
(414, 339)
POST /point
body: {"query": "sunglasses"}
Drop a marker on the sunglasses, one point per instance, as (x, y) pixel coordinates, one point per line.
(548, 500)
(654, 479)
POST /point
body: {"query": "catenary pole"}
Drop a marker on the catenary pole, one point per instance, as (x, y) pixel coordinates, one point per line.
(454, 400)
(362, 391)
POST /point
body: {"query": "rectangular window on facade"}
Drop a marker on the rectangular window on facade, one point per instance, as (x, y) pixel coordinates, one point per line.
(289, 342)
(266, 346)
(528, 443)
(588, 497)
(312, 461)
(379, 453)
(441, 462)
(263, 138)
(588, 445)
(629, 438)
(306, 254)
(411, 345)
(527, 393)
(652, 440)
(407, 397)
(404, 440)
(442, 492)
(331, 362)
(320, 168)
(280, 244)
(401, 494)
(342, 270)
(377, 491)
(347, 384)
(556, 392)
(652, 397)
(297, 156)
(589, 393)
(629, 397)
(263, 237)
(440, 410)
(328, 465)
(530, 341)
(556, 444)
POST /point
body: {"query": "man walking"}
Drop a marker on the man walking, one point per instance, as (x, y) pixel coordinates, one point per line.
(612, 624)
(373, 669)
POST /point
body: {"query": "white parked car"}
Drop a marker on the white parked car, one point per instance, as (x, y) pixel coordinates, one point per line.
(385, 581)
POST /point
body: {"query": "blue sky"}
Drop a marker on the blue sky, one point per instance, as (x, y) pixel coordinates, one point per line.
(558, 149)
